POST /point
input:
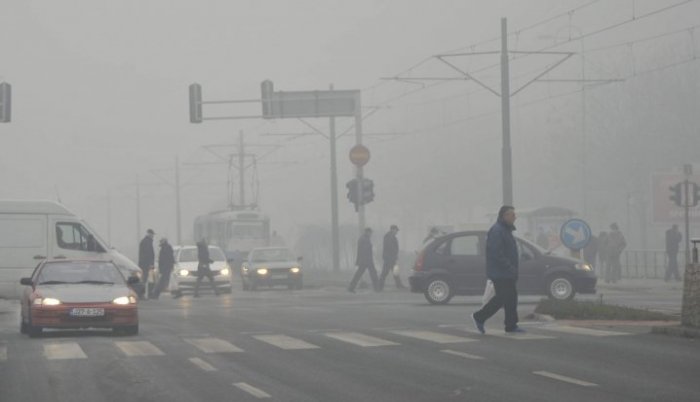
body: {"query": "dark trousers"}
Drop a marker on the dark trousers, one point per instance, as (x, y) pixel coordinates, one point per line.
(386, 268)
(163, 283)
(672, 269)
(203, 271)
(506, 297)
(358, 274)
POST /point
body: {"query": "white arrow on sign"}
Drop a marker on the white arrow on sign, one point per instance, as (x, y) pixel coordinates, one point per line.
(578, 235)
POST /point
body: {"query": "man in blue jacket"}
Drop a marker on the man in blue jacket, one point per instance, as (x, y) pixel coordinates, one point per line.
(502, 269)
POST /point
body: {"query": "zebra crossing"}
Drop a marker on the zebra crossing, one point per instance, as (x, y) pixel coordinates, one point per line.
(56, 349)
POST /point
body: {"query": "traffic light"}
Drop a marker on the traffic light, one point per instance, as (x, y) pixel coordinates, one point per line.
(5, 102)
(676, 193)
(696, 195)
(352, 193)
(195, 103)
(367, 191)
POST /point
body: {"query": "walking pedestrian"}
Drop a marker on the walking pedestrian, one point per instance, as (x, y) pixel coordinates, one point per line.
(602, 254)
(433, 234)
(390, 256)
(365, 261)
(590, 252)
(203, 268)
(147, 259)
(502, 270)
(616, 244)
(673, 241)
(166, 262)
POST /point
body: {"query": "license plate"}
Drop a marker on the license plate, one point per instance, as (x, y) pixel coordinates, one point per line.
(87, 312)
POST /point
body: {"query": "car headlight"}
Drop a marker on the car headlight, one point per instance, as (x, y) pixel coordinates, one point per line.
(124, 300)
(183, 272)
(49, 301)
(295, 270)
(225, 271)
(262, 271)
(583, 267)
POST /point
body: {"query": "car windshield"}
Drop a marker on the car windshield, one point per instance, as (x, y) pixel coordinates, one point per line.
(89, 272)
(190, 254)
(272, 255)
(534, 245)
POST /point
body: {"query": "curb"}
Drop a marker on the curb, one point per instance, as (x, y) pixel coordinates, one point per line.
(677, 331)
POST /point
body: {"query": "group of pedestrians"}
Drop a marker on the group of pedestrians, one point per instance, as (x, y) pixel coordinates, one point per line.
(365, 260)
(605, 252)
(166, 263)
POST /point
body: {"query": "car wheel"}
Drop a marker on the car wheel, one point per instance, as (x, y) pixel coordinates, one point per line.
(253, 286)
(560, 287)
(300, 285)
(438, 291)
(245, 286)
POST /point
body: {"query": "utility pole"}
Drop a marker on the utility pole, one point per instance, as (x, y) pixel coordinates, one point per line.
(178, 214)
(335, 231)
(138, 209)
(361, 223)
(688, 170)
(506, 158)
(241, 168)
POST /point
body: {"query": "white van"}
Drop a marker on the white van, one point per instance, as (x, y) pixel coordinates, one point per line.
(32, 231)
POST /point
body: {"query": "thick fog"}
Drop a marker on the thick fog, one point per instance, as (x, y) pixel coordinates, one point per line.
(100, 102)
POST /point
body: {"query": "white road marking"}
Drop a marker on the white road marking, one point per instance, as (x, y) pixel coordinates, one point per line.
(359, 339)
(462, 354)
(285, 342)
(582, 331)
(518, 336)
(256, 392)
(433, 336)
(139, 348)
(3, 353)
(61, 351)
(202, 364)
(213, 345)
(564, 379)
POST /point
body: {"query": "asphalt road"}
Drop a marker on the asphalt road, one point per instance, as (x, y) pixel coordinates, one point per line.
(328, 345)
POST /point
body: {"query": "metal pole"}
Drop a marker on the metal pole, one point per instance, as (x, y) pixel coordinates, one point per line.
(138, 209)
(687, 220)
(584, 194)
(334, 196)
(241, 169)
(178, 221)
(505, 116)
(360, 169)
(109, 218)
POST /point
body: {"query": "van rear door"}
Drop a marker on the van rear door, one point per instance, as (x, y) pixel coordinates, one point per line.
(23, 244)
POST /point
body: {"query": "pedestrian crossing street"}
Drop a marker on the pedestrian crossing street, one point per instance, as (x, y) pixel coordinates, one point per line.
(68, 349)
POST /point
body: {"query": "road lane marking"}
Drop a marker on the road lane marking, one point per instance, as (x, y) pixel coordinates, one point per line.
(462, 354)
(213, 345)
(256, 392)
(433, 336)
(359, 339)
(582, 331)
(3, 353)
(62, 351)
(202, 364)
(139, 348)
(564, 379)
(285, 342)
(517, 336)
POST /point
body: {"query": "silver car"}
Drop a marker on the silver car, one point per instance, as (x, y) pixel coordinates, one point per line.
(184, 275)
(270, 266)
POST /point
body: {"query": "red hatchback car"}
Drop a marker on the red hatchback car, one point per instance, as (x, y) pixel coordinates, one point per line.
(78, 294)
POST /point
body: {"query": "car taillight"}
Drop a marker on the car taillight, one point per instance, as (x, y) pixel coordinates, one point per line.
(419, 261)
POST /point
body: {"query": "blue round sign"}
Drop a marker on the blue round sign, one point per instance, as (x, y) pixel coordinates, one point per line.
(575, 234)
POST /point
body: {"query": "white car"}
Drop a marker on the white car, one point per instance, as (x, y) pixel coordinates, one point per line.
(184, 274)
(270, 266)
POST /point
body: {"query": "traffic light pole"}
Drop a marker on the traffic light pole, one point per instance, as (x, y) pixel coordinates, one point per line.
(687, 220)
(360, 170)
(335, 236)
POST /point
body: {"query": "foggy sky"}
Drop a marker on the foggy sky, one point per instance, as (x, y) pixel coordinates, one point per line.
(100, 96)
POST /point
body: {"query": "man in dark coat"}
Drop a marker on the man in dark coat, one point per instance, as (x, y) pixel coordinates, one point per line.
(203, 267)
(673, 241)
(365, 261)
(502, 270)
(390, 256)
(147, 257)
(166, 262)
(615, 247)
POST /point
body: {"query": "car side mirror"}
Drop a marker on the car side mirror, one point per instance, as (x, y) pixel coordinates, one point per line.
(26, 281)
(133, 280)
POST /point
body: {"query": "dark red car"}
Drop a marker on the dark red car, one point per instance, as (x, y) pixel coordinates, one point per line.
(78, 294)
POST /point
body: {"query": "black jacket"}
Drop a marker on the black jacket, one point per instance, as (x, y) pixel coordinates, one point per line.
(390, 251)
(203, 256)
(147, 257)
(501, 252)
(166, 258)
(365, 256)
